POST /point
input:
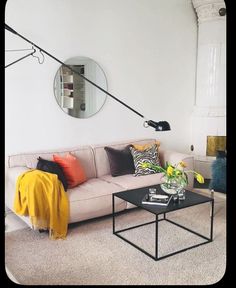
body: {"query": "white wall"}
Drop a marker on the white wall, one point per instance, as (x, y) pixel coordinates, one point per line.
(147, 49)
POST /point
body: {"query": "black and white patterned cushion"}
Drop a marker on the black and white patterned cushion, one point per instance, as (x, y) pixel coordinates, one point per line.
(149, 155)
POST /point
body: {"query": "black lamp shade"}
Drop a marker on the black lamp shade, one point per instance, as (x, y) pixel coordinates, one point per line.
(159, 126)
(162, 126)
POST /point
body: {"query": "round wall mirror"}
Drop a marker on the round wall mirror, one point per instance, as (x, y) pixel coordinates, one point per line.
(76, 96)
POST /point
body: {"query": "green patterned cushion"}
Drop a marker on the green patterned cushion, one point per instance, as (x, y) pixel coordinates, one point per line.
(149, 155)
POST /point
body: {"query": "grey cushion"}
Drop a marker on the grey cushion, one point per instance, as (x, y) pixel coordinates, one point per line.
(121, 161)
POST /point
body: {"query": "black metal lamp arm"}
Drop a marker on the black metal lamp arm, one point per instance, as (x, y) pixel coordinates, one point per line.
(157, 125)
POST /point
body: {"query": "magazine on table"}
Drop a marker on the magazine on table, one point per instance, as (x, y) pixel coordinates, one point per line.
(157, 199)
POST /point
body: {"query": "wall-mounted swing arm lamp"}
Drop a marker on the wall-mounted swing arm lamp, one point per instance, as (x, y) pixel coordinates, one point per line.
(158, 126)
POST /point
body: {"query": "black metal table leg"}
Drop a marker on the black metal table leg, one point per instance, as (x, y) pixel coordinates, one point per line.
(156, 239)
(113, 213)
(212, 215)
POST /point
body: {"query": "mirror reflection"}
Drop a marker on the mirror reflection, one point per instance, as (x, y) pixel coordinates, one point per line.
(76, 96)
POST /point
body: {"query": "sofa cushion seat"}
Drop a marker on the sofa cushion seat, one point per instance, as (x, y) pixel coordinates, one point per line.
(93, 188)
(129, 181)
(93, 199)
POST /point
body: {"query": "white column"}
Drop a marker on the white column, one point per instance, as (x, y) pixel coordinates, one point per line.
(209, 114)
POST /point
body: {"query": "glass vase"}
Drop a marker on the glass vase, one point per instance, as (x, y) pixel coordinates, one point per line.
(175, 188)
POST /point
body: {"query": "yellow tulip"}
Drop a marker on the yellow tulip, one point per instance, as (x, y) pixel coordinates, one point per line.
(200, 178)
(170, 170)
(144, 165)
(182, 164)
(178, 173)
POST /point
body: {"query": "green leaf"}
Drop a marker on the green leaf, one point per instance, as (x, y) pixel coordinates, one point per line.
(186, 176)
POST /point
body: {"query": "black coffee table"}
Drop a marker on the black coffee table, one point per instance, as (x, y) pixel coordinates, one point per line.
(135, 197)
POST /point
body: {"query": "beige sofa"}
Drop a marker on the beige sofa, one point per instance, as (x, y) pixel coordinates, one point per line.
(94, 197)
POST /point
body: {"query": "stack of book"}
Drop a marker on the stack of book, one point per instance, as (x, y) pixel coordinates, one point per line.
(156, 199)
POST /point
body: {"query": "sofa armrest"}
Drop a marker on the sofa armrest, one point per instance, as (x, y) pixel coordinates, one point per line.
(174, 157)
(11, 175)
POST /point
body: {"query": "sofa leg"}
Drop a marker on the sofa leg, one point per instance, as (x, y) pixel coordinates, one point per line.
(43, 230)
(212, 193)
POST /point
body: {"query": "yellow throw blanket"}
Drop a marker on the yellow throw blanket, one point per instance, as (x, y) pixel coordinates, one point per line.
(41, 196)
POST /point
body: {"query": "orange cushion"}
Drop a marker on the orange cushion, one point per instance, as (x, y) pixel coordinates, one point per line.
(145, 146)
(72, 169)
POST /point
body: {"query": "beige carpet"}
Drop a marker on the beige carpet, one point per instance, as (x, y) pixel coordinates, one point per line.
(92, 255)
